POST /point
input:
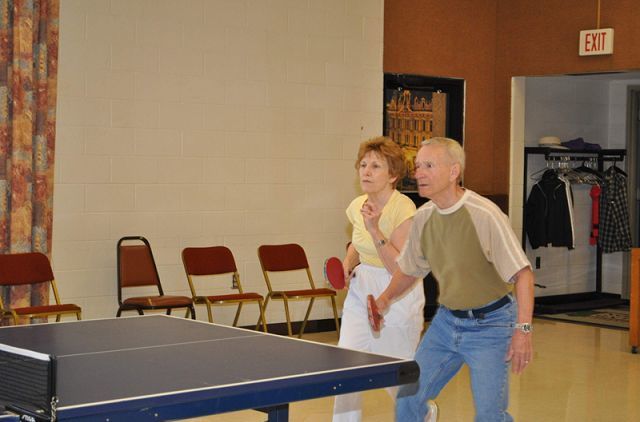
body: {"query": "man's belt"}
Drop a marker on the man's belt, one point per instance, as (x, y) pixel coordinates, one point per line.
(481, 312)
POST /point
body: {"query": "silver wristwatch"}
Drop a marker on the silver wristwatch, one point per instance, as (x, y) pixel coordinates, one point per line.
(380, 243)
(525, 327)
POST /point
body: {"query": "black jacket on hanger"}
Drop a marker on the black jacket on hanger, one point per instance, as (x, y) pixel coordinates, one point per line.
(547, 216)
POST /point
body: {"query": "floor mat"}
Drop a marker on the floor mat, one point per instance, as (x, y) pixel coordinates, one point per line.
(617, 317)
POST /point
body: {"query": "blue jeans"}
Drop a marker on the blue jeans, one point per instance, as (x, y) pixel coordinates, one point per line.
(450, 342)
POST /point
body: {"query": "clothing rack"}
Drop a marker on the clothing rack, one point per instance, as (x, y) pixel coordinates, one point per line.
(579, 301)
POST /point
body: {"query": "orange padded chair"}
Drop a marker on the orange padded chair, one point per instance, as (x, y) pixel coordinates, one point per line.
(137, 268)
(31, 268)
(218, 260)
(291, 257)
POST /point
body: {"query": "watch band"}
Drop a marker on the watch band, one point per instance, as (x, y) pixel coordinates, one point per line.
(525, 327)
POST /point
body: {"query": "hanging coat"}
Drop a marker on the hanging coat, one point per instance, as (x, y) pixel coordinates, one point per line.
(615, 234)
(548, 213)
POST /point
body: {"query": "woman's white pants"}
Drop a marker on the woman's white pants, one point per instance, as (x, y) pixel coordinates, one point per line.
(398, 337)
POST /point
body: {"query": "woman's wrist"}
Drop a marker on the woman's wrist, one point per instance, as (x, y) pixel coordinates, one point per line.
(381, 242)
(379, 239)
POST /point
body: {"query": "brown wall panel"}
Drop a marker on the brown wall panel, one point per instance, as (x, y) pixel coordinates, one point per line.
(486, 42)
(541, 38)
(455, 39)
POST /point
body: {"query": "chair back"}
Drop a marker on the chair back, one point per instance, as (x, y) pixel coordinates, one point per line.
(288, 257)
(211, 260)
(136, 266)
(24, 268)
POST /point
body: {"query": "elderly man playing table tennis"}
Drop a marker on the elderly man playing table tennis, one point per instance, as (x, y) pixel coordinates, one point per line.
(381, 219)
(469, 245)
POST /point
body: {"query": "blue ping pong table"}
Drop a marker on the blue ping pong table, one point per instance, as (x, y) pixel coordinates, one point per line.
(160, 367)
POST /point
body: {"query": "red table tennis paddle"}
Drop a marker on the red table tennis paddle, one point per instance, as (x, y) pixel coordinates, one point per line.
(334, 272)
(375, 317)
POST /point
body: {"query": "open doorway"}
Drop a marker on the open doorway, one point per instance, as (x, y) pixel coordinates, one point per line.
(595, 108)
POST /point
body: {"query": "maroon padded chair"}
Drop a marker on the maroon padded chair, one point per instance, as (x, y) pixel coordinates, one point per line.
(291, 257)
(32, 268)
(137, 268)
(212, 261)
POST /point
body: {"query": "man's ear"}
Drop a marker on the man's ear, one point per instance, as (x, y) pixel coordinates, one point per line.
(455, 171)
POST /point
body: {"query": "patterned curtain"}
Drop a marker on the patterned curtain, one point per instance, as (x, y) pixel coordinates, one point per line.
(28, 72)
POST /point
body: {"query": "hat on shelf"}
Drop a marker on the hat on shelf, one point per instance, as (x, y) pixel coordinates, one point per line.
(580, 144)
(551, 142)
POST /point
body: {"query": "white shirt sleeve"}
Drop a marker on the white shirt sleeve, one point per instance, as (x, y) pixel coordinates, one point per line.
(411, 260)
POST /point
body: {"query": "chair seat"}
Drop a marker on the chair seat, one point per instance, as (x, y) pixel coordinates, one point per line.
(159, 301)
(304, 293)
(238, 297)
(47, 309)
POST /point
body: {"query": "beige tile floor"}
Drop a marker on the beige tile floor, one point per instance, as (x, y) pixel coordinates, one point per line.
(579, 373)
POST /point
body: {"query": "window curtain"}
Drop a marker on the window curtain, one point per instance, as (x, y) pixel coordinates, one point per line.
(28, 72)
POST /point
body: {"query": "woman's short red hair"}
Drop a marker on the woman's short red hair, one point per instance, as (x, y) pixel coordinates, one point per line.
(392, 153)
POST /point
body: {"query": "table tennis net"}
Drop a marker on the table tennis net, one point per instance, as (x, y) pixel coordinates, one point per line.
(27, 380)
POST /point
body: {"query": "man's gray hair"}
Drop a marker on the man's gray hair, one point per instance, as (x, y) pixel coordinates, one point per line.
(453, 147)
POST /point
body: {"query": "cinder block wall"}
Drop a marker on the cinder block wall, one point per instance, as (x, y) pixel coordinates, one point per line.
(209, 122)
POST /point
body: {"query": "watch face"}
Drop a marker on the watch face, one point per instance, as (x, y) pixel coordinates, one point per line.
(525, 328)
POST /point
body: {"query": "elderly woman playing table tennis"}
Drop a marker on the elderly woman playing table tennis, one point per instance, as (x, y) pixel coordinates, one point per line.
(381, 219)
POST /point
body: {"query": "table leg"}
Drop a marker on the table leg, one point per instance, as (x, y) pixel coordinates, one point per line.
(278, 413)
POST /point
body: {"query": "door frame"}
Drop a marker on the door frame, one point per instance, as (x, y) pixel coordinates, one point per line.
(633, 151)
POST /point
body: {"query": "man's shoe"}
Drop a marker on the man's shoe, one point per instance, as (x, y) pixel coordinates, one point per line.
(432, 415)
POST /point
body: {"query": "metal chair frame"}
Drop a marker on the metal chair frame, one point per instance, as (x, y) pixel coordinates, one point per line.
(288, 256)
